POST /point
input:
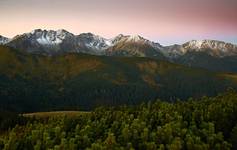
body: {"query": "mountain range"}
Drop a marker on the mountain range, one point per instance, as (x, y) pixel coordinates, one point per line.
(209, 54)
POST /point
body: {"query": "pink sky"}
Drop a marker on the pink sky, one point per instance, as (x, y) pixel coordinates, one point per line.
(164, 21)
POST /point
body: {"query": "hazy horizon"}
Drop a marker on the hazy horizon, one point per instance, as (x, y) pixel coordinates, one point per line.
(166, 22)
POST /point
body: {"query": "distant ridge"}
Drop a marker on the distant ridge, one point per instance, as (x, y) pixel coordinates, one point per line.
(61, 41)
(209, 54)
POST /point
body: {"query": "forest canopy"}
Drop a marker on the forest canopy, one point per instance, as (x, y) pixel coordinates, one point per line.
(205, 123)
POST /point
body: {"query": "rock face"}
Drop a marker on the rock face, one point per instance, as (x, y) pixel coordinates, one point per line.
(211, 47)
(3, 40)
(46, 42)
(61, 41)
(92, 41)
(134, 46)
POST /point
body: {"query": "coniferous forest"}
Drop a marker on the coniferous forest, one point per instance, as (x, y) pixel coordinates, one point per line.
(196, 124)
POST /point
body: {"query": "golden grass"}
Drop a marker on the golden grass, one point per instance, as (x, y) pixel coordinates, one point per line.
(149, 67)
(56, 114)
(232, 77)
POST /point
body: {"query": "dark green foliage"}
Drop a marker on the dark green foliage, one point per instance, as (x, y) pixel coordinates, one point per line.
(9, 120)
(234, 137)
(206, 123)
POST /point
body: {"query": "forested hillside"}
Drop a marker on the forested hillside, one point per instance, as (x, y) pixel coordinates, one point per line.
(198, 124)
(30, 83)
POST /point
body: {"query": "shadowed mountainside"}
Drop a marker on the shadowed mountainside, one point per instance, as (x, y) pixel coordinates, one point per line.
(40, 83)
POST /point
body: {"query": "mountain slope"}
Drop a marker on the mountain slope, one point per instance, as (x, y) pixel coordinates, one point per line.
(209, 54)
(213, 48)
(204, 60)
(134, 46)
(51, 42)
(40, 83)
(3, 40)
(45, 42)
(93, 42)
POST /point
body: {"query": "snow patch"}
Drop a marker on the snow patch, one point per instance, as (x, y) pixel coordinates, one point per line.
(3, 40)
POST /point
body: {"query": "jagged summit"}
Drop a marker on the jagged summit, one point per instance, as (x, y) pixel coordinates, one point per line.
(3, 40)
(213, 47)
(49, 37)
(44, 30)
(128, 38)
(58, 41)
(135, 38)
(214, 44)
(94, 41)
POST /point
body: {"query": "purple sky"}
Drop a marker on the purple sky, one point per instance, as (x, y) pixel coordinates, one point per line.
(163, 21)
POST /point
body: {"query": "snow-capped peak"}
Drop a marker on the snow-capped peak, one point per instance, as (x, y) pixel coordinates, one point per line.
(36, 31)
(211, 47)
(49, 37)
(135, 38)
(94, 41)
(117, 39)
(119, 36)
(3, 40)
(62, 31)
(62, 40)
(210, 44)
(195, 44)
(127, 38)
